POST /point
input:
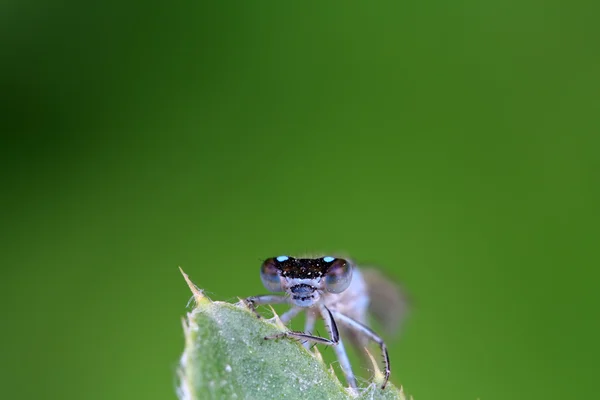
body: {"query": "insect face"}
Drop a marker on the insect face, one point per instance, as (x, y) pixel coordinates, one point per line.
(305, 279)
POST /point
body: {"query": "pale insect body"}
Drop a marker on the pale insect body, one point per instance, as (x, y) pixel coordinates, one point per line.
(329, 288)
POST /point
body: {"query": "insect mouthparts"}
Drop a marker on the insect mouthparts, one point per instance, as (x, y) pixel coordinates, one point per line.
(302, 289)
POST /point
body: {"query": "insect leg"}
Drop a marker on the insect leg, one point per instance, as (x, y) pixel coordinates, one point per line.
(309, 325)
(289, 314)
(331, 326)
(360, 328)
(340, 351)
(302, 336)
(254, 301)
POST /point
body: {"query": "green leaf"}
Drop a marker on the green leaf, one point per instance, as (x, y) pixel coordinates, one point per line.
(226, 357)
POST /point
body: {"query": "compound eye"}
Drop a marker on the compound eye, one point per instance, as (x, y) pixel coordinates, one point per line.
(269, 274)
(338, 275)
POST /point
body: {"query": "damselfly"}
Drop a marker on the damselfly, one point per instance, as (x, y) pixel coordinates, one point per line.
(335, 290)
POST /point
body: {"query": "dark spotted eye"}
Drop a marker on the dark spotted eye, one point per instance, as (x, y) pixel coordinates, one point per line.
(338, 275)
(270, 275)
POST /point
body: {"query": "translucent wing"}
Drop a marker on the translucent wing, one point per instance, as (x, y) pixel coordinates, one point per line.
(388, 302)
(388, 305)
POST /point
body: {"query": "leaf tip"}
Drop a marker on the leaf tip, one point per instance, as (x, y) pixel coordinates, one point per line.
(318, 355)
(378, 376)
(198, 293)
(276, 320)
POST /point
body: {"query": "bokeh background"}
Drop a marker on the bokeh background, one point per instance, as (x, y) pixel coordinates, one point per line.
(455, 145)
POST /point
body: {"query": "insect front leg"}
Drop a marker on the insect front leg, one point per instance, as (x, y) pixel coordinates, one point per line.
(331, 327)
(340, 351)
(362, 329)
(254, 301)
(289, 314)
(309, 325)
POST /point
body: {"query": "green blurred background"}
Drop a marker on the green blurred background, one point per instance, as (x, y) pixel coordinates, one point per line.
(453, 144)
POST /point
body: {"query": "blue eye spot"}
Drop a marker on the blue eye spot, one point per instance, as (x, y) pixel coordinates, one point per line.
(282, 258)
(328, 259)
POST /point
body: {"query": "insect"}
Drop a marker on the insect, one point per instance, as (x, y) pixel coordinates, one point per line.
(335, 290)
